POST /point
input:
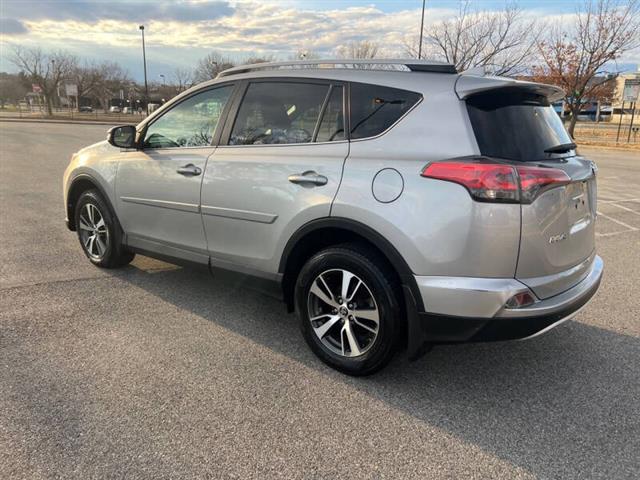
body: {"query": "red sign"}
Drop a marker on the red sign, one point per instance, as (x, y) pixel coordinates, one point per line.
(36, 88)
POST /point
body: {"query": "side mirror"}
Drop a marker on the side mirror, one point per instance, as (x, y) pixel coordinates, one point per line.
(123, 136)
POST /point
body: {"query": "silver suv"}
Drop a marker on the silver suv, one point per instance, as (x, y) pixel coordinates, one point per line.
(390, 203)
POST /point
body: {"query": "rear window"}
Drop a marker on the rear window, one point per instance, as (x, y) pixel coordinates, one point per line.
(516, 125)
(374, 108)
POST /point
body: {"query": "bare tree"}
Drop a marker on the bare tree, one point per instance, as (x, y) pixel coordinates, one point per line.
(86, 78)
(13, 88)
(111, 78)
(363, 49)
(46, 70)
(503, 40)
(259, 59)
(210, 66)
(182, 78)
(579, 58)
(305, 54)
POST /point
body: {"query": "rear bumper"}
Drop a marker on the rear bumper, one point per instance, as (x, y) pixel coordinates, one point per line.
(484, 317)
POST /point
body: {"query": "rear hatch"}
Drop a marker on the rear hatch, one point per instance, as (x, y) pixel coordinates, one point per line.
(515, 122)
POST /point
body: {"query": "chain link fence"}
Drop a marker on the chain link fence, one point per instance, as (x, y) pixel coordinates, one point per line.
(72, 114)
(607, 133)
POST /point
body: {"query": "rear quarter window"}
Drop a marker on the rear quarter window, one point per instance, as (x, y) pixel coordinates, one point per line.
(375, 108)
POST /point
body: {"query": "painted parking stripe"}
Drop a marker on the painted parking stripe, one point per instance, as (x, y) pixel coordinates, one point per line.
(627, 209)
(626, 225)
(616, 201)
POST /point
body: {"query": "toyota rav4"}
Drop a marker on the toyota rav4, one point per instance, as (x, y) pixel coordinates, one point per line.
(391, 204)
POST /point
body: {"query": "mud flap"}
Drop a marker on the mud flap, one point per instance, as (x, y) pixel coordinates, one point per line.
(417, 345)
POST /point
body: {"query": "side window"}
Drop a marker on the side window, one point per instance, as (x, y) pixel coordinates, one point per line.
(332, 125)
(278, 113)
(191, 123)
(375, 108)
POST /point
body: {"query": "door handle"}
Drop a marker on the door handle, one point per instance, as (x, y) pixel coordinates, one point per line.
(189, 169)
(308, 178)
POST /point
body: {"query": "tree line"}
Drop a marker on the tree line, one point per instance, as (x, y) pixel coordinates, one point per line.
(48, 72)
(579, 55)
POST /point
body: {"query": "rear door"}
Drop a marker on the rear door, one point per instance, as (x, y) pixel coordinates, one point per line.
(158, 186)
(558, 232)
(280, 168)
(558, 227)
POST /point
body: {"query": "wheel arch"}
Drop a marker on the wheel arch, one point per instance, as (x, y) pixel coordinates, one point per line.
(80, 184)
(325, 232)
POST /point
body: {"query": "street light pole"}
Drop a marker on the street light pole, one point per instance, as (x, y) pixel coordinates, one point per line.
(144, 61)
(421, 30)
(53, 76)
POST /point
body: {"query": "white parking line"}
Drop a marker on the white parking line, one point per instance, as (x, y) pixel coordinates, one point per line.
(613, 195)
(630, 227)
(612, 234)
(623, 200)
(625, 208)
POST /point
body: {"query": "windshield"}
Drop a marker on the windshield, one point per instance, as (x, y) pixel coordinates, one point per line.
(517, 125)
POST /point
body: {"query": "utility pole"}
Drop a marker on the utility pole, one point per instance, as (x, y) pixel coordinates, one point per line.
(633, 114)
(421, 30)
(144, 61)
(53, 76)
(620, 122)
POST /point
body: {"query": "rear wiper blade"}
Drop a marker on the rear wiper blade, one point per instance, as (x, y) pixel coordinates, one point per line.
(564, 147)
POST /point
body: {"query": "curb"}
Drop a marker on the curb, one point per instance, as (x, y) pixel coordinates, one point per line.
(63, 121)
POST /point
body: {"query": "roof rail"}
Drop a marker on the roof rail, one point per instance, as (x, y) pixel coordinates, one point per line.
(411, 65)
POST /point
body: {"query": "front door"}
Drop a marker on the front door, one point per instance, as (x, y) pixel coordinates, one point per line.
(280, 169)
(158, 186)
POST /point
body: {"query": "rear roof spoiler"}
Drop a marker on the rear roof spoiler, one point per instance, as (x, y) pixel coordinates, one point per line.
(467, 85)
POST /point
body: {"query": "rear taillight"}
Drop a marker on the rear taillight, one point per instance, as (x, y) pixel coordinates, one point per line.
(535, 180)
(485, 181)
(489, 181)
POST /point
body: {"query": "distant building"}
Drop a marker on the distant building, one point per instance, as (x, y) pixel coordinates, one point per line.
(595, 108)
(617, 97)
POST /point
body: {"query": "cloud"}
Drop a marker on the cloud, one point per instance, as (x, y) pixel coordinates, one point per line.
(11, 26)
(135, 11)
(179, 33)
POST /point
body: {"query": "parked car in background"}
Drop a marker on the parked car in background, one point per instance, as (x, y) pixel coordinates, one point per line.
(114, 109)
(127, 110)
(394, 205)
(86, 109)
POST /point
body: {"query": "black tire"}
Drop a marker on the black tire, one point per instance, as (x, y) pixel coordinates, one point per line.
(379, 281)
(114, 255)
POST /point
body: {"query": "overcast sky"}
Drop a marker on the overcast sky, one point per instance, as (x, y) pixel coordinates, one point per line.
(178, 33)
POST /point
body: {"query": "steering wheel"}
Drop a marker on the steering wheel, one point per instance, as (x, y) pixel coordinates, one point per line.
(254, 140)
(155, 140)
(335, 133)
(298, 135)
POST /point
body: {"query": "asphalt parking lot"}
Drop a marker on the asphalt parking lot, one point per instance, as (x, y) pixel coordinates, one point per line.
(156, 371)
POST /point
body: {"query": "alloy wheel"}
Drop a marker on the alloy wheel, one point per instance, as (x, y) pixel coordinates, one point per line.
(343, 313)
(94, 233)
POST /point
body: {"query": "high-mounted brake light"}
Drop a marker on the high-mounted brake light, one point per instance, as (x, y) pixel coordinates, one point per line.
(489, 181)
